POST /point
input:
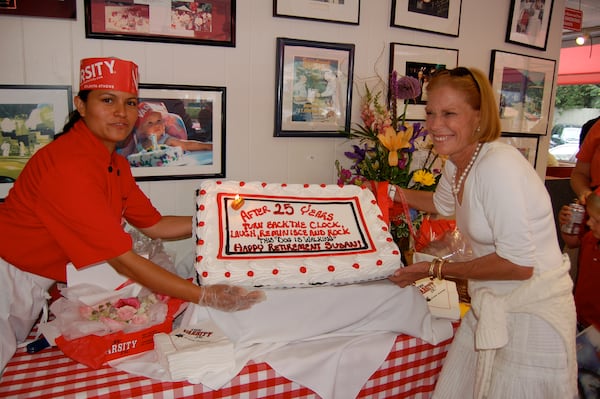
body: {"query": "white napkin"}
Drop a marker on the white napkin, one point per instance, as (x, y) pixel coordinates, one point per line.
(195, 351)
(329, 339)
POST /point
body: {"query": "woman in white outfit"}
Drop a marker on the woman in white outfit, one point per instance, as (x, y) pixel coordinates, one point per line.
(518, 340)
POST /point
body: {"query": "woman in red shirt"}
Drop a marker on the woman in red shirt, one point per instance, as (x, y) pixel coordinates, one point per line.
(69, 203)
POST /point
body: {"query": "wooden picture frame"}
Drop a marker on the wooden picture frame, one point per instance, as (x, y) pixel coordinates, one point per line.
(527, 145)
(346, 12)
(30, 117)
(313, 88)
(200, 110)
(529, 23)
(523, 91)
(185, 22)
(410, 60)
(442, 17)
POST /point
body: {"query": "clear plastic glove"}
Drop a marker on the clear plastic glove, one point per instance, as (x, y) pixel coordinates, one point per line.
(229, 298)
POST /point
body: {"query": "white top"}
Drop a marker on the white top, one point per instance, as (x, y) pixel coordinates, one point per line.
(505, 209)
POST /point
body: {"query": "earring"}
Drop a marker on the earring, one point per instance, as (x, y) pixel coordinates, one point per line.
(478, 129)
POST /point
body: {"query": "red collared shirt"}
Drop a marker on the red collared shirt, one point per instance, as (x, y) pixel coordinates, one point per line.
(68, 204)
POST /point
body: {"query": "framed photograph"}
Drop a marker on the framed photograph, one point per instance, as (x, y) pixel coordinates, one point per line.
(179, 134)
(529, 22)
(420, 62)
(30, 117)
(527, 145)
(523, 90)
(177, 21)
(313, 88)
(343, 12)
(50, 9)
(439, 16)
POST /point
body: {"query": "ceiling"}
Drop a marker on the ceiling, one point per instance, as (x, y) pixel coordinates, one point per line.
(590, 24)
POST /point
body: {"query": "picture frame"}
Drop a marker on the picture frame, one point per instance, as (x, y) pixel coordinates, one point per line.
(529, 23)
(184, 22)
(313, 88)
(523, 91)
(201, 112)
(346, 12)
(441, 17)
(419, 62)
(30, 117)
(64, 9)
(527, 145)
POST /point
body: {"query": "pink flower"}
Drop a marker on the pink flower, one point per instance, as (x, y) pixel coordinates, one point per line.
(140, 319)
(162, 298)
(113, 325)
(86, 312)
(133, 302)
(126, 313)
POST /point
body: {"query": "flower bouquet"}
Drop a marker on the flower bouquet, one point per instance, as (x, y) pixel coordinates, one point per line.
(392, 150)
(121, 324)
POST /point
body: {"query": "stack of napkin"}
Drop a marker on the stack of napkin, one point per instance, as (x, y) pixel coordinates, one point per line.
(194, 351)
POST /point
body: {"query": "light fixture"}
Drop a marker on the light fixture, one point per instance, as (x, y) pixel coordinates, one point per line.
(582, 38)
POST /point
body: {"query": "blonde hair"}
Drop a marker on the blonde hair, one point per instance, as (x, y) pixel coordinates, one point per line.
(478, 94)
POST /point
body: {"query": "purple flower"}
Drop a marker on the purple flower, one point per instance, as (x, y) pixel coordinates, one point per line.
(358, 154)
(404, 88)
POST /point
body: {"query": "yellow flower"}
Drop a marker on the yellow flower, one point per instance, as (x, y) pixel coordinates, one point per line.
(424, 177)
(395, 141)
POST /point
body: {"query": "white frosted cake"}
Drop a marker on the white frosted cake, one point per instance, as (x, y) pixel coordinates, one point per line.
(164, 156)
(290, 235)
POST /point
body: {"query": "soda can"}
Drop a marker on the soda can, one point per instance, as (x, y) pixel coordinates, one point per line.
(574, 225)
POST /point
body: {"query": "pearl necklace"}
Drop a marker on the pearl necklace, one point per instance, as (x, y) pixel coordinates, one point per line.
(456, 187)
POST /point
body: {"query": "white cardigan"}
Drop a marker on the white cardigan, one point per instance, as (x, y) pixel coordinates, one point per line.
(547, 295)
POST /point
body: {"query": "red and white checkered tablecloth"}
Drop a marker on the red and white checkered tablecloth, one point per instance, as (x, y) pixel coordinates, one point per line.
(410, 371)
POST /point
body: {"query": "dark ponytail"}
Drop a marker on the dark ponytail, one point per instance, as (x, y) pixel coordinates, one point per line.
(74, 116)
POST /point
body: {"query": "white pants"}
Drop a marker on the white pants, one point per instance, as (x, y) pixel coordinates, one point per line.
(22, 297)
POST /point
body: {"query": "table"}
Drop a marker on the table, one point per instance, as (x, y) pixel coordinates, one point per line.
(410, 371)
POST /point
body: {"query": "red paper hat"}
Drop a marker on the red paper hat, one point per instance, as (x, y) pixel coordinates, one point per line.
(108, 74)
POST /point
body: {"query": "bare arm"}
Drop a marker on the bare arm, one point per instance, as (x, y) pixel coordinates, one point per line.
(421, 200)
(488, 267)
(170, 227)
(190, 145)
(155, 278)
(580, 180)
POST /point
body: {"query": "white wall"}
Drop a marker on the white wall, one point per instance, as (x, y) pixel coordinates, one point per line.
(47, 51)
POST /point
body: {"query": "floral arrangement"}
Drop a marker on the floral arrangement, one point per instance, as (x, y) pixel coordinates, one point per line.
(392, 150)
(119, 314)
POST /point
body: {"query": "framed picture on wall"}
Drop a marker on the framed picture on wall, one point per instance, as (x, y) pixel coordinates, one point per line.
(529, 22)
(343, 12)
(186, 22)
(313, 88)
(30, 117)
(50, 9)
(179, 134)
(440, 16)
(523, 90)
(527, 145)
(419, 62)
